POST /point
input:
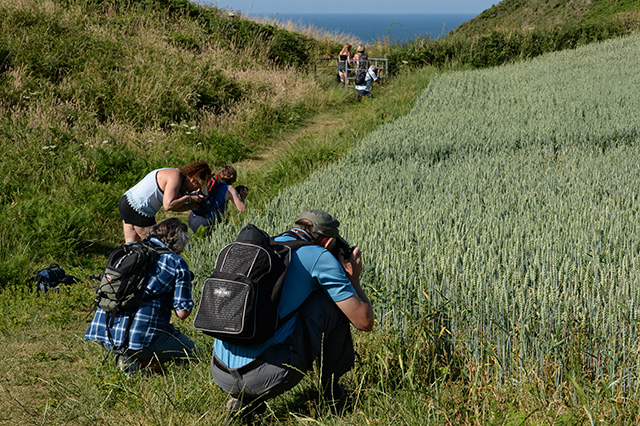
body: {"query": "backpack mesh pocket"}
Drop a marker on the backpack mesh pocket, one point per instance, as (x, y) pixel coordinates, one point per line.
(241, 258)
(222, 306)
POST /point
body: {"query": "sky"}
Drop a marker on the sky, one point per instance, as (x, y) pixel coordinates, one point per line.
(263, 7)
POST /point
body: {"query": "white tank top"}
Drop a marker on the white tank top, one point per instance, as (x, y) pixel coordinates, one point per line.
(146, 196)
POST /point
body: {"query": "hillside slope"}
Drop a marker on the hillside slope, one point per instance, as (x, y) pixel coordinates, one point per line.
(514, 30)
(94, 94)
(519, 15)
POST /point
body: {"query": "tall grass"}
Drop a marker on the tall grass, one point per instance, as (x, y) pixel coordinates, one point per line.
(44, 359)
(497, 224)
(307, 29)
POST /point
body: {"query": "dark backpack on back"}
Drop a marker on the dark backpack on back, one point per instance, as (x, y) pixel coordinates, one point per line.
(240, 299)
(209, 205)
(361, 76)
(125, 277)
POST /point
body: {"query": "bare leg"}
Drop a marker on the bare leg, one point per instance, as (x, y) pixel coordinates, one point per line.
(141, 231)
(133, 233)
(130, 234)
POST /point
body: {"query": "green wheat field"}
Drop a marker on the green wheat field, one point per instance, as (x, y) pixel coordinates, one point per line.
(507, 203)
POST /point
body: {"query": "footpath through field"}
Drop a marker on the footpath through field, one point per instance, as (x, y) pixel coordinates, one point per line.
(323, 138)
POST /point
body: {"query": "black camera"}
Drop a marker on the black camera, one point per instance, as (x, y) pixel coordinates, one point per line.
(347, 250)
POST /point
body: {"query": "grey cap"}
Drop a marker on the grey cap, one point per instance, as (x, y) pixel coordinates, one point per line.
(323, 223)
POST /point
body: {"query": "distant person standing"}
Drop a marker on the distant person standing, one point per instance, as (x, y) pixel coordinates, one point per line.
(361, 58)
(212, 210)
(343, 59)
(364, 79)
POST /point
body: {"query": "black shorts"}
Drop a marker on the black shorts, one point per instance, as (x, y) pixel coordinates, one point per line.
(132, 217)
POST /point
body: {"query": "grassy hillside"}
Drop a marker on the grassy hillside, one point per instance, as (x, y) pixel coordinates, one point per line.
(502, 193)
(499, 226)
(515, 30)
(94, 94)
(527, 15)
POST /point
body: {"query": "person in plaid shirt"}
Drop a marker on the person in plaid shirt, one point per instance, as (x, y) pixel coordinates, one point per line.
(151, 338)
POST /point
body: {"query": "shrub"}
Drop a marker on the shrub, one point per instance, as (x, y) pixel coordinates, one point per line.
(496, 48)
(289, 49)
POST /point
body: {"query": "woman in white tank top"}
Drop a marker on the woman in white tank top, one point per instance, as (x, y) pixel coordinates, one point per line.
(177, 190)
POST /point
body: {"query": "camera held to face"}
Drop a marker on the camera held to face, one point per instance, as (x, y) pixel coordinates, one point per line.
(345, 249)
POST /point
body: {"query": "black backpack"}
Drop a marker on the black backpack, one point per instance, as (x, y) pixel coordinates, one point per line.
(125, 277)
(51, 277)
(240, 299)
(361, 76)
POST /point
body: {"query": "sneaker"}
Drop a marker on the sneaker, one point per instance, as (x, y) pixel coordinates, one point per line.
(359, 97)
(128, 366)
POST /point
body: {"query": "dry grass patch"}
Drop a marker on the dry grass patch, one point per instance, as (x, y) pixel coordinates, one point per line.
(309, 30)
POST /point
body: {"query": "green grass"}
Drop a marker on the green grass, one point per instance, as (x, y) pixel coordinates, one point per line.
(42, 334)
(510, 16)
(50, 376)
(513, 30)
(155, 86)
(95, 94)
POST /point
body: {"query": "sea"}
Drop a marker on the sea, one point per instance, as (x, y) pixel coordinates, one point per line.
(369, 27)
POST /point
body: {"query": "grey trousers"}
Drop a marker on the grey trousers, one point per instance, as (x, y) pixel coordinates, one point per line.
(322, 333)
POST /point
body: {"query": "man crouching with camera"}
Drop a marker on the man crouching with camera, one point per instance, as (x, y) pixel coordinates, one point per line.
(322, 289)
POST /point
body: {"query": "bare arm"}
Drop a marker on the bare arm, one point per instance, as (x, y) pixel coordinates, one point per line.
(232, 194)
(357, 307)
(183, 314)
(170, 181)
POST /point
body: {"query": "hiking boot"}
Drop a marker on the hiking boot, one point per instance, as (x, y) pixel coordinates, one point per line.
(359, 97)
(243, 413)
(233, 408)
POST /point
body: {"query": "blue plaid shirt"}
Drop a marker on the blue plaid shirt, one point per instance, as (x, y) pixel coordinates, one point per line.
(170, 276)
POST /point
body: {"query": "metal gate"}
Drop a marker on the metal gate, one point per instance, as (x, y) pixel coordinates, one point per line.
(327, 66)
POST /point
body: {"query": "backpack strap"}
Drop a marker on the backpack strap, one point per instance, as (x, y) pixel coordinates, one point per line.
(160, 250)
(294, 244)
